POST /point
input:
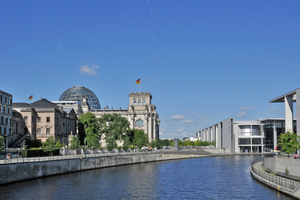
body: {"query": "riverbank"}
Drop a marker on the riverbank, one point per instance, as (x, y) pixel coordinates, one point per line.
(15, 172)
(32, 168)
(284, 185)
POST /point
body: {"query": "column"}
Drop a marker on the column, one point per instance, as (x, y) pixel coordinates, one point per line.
(154, 129)
(298, 114)
(288, 113)
(298, 110)
(146, 124)
(274, 134)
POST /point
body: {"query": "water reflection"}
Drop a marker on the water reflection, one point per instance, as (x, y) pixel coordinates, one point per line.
(202, 178)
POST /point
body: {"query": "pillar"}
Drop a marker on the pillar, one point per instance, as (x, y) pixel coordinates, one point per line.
(288, 113)
(274, 135)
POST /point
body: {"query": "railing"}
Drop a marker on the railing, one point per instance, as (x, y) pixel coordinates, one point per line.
(18, 159)
(275, 179)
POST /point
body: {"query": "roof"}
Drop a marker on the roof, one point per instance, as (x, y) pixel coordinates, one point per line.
(67, 110)
(44, 104)
(21, 105)
(281, 98)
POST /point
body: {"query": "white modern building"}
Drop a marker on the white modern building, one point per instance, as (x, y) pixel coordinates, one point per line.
(245, 136)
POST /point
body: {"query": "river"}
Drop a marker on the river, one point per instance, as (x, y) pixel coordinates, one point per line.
(201, 178)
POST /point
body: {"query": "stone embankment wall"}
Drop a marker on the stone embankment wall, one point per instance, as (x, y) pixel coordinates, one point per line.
(282, 165)
(24, 171)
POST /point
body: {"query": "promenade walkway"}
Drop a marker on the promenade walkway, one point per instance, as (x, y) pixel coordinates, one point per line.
(279, 183)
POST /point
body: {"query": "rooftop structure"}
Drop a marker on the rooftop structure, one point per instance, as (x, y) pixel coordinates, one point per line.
(78, 93)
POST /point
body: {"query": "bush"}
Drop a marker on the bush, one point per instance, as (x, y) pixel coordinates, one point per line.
(132, 147)
(33, 143)
(119, 148)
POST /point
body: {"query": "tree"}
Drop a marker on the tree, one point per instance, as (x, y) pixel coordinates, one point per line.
(289, 142)
(75, 143)
(88, 126)
(140, 138)
(50, 145)
(156, 143)
(165, 142)
(126, 143)
(114, 127)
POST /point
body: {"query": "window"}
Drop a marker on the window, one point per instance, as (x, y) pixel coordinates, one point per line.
(243, 141)
(4, 109)
(0, 108)
(48, 131)
(5, 99)
(140, 101)
(6, 120)
(38, 131)
(38, 119)
(0, 97)
(139, 123)
(134, 101)
(256, 140)
(10, 101)
(8, 110)
(1, 120)
(48, 119)
(144, 100)
(25, 118)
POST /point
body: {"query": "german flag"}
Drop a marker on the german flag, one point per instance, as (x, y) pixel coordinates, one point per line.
(138, 81)
(31, 97)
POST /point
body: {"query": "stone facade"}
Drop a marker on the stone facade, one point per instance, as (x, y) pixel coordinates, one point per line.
(43, 119)
(141, 114)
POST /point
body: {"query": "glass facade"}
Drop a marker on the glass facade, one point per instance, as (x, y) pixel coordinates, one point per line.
(78, 93)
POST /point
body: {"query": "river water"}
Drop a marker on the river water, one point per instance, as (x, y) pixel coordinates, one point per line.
(200, 178)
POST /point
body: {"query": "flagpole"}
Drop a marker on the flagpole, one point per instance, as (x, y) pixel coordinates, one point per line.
(140, 86)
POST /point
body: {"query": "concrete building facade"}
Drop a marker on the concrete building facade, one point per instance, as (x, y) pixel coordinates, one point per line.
(259, 136)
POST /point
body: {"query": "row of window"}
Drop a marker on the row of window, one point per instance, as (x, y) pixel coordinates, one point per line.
(39, 131)
(4, 109)
(38, 119)
(140, 101)
(4, 130)
(243, 141)
(6, 100)
(139, 123)
(5, 120)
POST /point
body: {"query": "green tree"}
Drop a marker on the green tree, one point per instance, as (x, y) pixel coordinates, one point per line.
(197, 143)
(165, 142)
(140, 138)
(49, 145)
(87, 125)
(75, 143)
(2, 144)
(126, 143)
(93, 141)
(114, 126)
(111, 143)
(289, 142)
(155, 143)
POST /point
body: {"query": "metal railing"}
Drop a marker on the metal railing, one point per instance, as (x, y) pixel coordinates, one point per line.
(18, 159)
(291, 184)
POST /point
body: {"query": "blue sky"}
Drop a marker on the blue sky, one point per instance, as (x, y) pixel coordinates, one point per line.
(202, 61)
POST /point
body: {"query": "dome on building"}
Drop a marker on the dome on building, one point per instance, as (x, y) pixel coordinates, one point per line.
(77, 93)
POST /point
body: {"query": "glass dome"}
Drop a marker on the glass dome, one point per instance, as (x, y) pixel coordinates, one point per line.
(77, 93)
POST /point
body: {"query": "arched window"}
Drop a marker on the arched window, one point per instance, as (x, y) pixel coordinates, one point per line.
(139, 123)
(144, 100)
(140, 101)
(134, 101)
